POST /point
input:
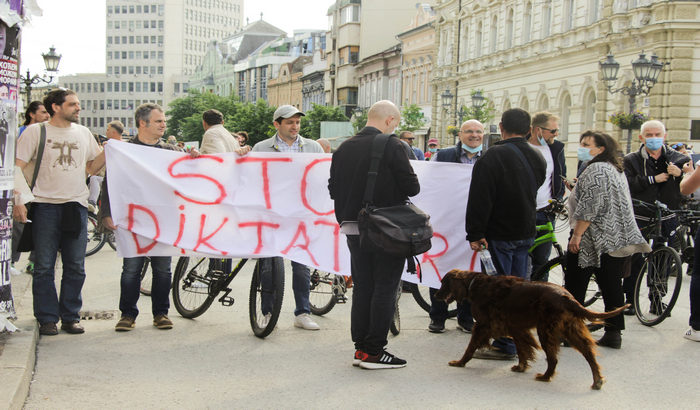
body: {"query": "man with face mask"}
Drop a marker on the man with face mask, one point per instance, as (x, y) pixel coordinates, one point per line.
(467, 151)
(545, 128)
(653, 173)
(433, 146)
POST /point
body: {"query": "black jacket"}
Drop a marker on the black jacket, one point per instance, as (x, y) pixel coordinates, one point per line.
(502, 200)
(396, 180)
(640, 171)
(558, 187)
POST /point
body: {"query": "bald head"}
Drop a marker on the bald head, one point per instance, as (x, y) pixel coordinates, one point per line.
(470, 123)
(383, 115)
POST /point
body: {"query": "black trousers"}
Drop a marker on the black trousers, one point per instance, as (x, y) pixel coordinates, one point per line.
(376, 278)
(609, 279)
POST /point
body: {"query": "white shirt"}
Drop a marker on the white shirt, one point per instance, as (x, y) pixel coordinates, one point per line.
(544, 193)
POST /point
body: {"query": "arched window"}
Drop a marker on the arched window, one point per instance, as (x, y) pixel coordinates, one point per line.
(565, 116)
(527, 22)
(493, 38)
(479, 36)
(524, 103)
(546, 18)
(589, 110)
(509, 28)
(543, 103)
(464, 41)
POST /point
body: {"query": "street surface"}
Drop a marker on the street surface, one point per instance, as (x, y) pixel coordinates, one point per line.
(216, 362)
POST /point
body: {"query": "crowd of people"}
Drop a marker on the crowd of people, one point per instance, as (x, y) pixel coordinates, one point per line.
(512, 185)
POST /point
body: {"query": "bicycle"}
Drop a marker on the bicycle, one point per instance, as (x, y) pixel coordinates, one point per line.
(196, 288)
(97, 236)
(658, 283)
(326, 290)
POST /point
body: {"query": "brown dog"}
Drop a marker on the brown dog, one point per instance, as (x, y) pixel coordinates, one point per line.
(510, 306)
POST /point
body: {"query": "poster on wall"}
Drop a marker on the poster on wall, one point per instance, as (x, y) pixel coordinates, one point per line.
(11, 12)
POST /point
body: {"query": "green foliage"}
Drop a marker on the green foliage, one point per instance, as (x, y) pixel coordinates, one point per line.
(311, 123)
(185, 116)
(483, 114)
(412, 118)
(359, 120)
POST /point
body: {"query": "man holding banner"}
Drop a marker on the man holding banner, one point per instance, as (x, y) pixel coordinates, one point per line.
(376, 275)
(150, 120)
(287, 121)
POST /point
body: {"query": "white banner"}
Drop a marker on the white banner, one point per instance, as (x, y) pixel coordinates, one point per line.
(264, 204)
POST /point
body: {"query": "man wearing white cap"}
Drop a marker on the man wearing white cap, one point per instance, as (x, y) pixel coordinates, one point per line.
(287, 121)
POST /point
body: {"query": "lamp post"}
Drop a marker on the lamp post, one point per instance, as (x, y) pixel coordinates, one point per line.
(51, 61)
(646, 74)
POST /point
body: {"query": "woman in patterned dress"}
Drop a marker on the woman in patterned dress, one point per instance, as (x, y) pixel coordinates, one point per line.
(604, 232)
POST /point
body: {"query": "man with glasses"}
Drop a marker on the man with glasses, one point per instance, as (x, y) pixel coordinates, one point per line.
(408, 137)
(545, 128)
(467, 151)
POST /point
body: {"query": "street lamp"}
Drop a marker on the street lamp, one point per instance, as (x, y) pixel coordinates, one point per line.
(478, 99)
(646, 74)
(51, 61)
(447, 99)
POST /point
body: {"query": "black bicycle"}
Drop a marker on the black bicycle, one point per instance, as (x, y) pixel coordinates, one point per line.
(198, 281)
(659, 281)
(97, 236)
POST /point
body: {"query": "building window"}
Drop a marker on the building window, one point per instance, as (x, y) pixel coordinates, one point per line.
(527, 22)
(479, 36)
(509, 28)
(593, 7)
(350, 14)
(546, 18)
(493, 38)
(569, 14)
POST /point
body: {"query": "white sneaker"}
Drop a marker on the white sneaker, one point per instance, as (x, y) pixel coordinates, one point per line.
(693, 335)
(304, 321)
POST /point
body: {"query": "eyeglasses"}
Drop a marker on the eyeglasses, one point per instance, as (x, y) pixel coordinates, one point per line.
(472, 131)
(408, 139)
(554, 131)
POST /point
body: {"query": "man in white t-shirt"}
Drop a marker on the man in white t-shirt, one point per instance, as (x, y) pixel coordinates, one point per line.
(545, 128)
(59, 208)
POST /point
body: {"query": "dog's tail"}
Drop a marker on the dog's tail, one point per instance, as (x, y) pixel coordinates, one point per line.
(595, 316)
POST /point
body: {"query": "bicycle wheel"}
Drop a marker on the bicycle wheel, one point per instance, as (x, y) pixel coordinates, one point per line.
(95, 239)
(658, 286)
(324, 290)
(146, 279)
(421, 294)
(395, 327)
(192, 287)
(552, 271)
(266, 293)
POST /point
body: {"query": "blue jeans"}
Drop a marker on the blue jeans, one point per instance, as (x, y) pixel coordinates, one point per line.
(49, 238)
(131, 285)
(301, 285)
(540, 255)
(510, 258)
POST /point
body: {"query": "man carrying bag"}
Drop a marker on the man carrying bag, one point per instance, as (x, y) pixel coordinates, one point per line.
(376, 274)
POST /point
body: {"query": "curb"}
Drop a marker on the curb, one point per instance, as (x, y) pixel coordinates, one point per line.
(19, 356)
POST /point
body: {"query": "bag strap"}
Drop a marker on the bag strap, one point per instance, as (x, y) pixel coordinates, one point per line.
(377, 153)
(39, 155)
(533, 181)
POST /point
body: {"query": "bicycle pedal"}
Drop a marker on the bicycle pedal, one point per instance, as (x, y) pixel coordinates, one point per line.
(226, 300)
(340, 299)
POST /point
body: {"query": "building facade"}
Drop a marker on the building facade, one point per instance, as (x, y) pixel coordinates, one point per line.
(152, 46)
(544, 56)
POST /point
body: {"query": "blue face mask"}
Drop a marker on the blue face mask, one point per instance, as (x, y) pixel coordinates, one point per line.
(584, 154)
(542, 141)
(472, 150)
(432, 149)
(654, 143)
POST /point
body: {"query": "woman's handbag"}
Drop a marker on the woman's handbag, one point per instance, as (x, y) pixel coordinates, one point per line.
(400, 230)
(26, 241)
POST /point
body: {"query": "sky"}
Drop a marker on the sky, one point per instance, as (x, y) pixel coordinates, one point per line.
(77, 29)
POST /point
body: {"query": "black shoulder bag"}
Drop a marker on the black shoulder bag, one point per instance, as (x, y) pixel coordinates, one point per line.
(26, 241)
(399, 230)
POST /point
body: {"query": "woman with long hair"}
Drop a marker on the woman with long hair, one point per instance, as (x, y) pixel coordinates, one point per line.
(604, 232)
(36, 112)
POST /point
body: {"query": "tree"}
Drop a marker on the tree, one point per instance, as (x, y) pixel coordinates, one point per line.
(311, 123)
(185, 116)
(412, 118)
(359, 120)
(484, 113)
